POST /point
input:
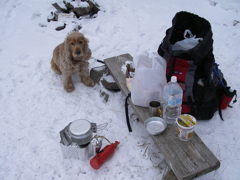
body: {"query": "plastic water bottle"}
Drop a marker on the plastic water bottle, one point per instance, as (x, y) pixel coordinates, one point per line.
(173, 101)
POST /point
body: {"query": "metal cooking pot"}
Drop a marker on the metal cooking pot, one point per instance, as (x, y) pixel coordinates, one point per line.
(81, 131)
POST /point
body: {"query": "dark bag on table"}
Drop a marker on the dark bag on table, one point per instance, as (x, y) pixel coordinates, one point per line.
(204, 88)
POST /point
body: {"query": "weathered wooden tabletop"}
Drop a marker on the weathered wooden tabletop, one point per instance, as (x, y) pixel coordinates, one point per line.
(186, 159)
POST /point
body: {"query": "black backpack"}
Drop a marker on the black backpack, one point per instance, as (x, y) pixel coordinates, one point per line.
(204, 88)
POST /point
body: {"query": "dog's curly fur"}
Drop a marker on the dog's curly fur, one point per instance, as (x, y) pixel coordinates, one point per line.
(70, 57)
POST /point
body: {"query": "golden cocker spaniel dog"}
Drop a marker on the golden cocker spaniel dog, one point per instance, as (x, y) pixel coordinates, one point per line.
(70, 57)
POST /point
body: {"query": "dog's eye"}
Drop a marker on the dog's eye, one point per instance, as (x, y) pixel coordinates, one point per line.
(80, 42)
(72, 43)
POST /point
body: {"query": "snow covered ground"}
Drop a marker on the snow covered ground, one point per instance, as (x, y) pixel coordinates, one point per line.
(34, 107)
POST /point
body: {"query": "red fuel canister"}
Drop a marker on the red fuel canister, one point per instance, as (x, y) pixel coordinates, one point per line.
(97, 161)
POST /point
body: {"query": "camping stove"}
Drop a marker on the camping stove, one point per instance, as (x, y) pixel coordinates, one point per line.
(77, 140)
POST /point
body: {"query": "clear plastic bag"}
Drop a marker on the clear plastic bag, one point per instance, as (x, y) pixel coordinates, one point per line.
(186, 44)
(149, 79)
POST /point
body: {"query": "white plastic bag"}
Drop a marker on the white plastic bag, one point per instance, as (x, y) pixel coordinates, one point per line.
(188, 43)
(149, 79)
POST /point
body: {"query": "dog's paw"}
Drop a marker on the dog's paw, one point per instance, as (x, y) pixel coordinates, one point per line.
(88, 82)
(69, 87)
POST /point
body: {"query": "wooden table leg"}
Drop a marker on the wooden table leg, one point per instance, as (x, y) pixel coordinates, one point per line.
(168, 174)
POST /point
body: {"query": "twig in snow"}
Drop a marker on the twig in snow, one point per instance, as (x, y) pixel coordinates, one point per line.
(235, 22)
(144, 144)
(145, 151)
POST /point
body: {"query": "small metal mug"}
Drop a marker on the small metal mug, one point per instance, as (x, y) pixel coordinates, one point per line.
(155, 109)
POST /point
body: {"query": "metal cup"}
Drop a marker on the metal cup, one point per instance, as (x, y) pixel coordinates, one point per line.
(155, 109)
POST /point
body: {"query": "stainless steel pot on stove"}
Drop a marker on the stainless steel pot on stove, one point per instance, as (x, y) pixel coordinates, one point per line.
(81, 131)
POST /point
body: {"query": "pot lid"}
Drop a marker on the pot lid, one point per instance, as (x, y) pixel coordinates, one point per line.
(79, 127)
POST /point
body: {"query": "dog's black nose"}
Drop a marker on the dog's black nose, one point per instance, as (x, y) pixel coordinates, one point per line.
(77, 52)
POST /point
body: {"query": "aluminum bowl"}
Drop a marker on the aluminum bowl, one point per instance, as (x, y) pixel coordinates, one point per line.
(155, 125)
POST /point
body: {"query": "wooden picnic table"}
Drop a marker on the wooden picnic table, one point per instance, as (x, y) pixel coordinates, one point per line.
(186, 160)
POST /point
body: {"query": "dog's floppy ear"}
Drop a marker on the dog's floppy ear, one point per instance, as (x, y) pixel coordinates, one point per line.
(68, 54)
(86, 41)
(87, 51)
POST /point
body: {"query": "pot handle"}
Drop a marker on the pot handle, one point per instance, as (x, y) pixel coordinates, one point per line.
(94, 127)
